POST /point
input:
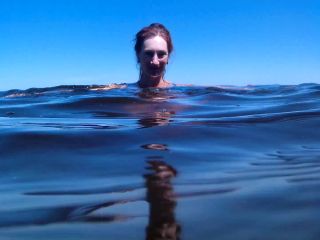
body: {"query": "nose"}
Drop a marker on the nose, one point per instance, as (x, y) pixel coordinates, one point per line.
(155, 59)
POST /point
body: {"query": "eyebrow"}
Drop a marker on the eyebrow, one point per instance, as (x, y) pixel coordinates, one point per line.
(158, 52)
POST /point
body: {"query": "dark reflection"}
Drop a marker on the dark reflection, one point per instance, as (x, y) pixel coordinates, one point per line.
(156, 94)
(157, 119)
(156, 146)
(159, 110)
(162, 201)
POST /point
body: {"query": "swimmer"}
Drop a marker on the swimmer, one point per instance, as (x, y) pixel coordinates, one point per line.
(153, 48)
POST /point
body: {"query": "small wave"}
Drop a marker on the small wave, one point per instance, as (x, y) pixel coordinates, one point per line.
(246, 104)
(32, 92)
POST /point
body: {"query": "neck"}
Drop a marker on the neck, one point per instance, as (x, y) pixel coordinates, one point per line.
(146, 81)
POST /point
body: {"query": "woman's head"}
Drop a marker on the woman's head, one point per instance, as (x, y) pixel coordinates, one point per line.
(153, 48)
(151, 31)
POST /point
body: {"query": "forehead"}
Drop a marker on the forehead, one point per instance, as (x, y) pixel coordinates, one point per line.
(155, 43)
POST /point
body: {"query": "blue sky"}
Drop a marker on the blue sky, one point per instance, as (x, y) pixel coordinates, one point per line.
(219, 42)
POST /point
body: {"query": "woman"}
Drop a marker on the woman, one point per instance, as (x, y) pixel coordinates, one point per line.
(153, 48)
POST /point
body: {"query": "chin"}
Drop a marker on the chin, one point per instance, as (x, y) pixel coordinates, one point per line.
(155, 75)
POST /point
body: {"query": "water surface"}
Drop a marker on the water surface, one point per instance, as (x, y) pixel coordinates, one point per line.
(118, 162)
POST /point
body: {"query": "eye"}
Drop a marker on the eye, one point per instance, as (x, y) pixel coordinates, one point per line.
(162, 54)
(149, 53)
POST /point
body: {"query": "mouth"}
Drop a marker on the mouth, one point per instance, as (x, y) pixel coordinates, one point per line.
(155, 71)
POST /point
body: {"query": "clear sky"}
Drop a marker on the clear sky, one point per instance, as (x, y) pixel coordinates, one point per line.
(47, 43)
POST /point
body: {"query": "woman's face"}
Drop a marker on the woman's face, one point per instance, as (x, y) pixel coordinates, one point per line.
(153, 57)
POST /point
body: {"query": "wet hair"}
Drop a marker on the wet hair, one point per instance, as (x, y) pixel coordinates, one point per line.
(153, 30)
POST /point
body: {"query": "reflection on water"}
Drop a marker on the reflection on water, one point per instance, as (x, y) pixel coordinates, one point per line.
(162, 201)
(158, 112)
(160, 193)
(160, 196)
(155, 146)
(158, 119)
(156, 94)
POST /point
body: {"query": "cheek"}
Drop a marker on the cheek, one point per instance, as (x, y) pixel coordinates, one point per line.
(164, 62)
(140, 58)
(143, 61)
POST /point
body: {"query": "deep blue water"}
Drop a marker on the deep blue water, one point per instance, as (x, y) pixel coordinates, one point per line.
(83, 162)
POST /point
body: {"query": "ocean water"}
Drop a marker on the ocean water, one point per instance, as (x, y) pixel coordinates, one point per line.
(87, 162)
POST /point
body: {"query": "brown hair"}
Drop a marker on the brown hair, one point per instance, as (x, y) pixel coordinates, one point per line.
(153, 30)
